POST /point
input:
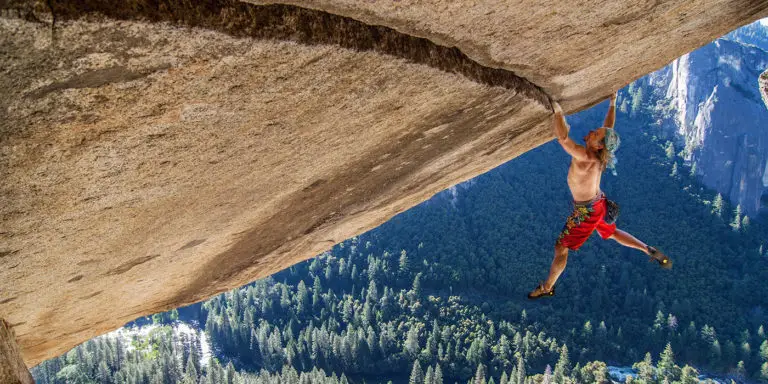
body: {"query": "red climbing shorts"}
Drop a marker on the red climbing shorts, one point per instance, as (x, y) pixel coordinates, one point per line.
(586, 218)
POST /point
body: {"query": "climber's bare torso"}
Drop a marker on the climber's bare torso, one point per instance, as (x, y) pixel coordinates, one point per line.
(586, 170)
(584, 178)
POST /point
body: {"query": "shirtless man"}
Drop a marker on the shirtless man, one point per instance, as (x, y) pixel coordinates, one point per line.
(587, 166)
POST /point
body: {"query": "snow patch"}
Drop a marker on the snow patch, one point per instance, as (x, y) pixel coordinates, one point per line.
(205, 345)
(128, 334)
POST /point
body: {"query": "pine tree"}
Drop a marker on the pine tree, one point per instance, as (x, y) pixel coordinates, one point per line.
(520, 370)
(373, 294)
(417, 376)
(103, 375)
(574, 377)
(429, 377)
(302, 298)
(717, 205)
(213, 376)
(342, 268)
(503, 350)
(689, 376)
(480, 375)
(674, 170)
(666, 367)
(411, 346)
(741, 371)
(404, 265)
(563, 366)
(602, 332)
(191, 371)
(438, 375)
(593, 372)
(736, 223)
(746, 351)
(285, 297)
(708, 334)
(637, 100)
(416, 289)
(672, 322)
(764, 372)
(547, 375)
(586, 331)
(317, 288)
(645, 369)
(230, 373)
(670, 151)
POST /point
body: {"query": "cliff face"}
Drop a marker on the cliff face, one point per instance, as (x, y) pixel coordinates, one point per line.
(753, 34)
(718, 116)
(163, 152)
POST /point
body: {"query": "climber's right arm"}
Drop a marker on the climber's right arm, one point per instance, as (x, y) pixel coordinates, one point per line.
(561, 128)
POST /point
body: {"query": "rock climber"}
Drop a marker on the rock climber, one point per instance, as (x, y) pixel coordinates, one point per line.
(592, 211)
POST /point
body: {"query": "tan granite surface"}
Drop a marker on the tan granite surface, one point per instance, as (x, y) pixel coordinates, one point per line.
(147, 165)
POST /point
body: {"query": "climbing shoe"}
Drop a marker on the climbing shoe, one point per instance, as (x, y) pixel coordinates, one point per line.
(540, 292)
(660, 258)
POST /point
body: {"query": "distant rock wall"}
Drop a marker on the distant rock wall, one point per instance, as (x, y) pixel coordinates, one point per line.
(720, 118)
(753, 34)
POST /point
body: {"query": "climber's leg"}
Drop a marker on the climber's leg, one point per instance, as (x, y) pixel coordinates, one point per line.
(628, 240)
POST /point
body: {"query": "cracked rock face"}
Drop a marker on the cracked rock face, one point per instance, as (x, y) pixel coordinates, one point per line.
(153, 155)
